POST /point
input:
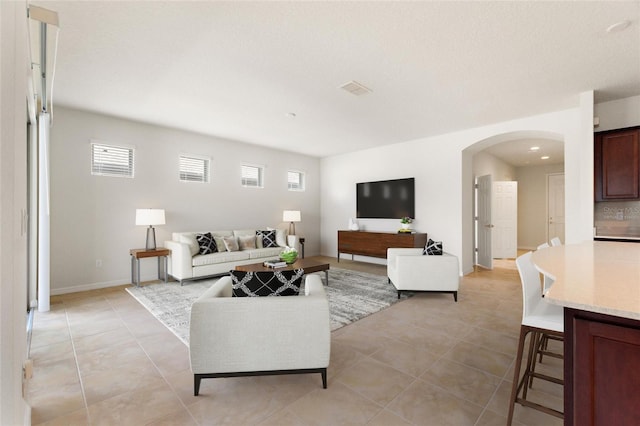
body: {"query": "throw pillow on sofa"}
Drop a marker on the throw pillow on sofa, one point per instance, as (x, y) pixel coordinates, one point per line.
(266, 283)
(268, 238)
(247, 242)
(220, 243)
(281, 236)
(231, 243)
(206, 243)
(433, 248)
(190, 240)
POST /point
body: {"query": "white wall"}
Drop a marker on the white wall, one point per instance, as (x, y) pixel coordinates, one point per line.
(93, 217)
(13, 196)
(532, 204)
(618, 114)
(487, 164)
(440, 165)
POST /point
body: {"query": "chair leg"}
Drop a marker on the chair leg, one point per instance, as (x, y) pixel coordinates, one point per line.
(398, 294)
(324, 378)
(196, 384)
(516, 374)
(531, 357)
(455, 296)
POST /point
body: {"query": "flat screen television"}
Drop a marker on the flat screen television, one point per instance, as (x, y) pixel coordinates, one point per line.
(386, 199)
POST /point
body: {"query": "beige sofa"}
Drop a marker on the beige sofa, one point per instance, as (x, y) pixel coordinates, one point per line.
(246, 336)
(186, 264)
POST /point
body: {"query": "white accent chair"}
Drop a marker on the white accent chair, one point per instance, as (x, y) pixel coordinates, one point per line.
(250, 336)
(540, 318)
(409, 270)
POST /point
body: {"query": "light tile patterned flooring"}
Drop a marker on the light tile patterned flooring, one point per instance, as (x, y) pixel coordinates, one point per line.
(102, 359)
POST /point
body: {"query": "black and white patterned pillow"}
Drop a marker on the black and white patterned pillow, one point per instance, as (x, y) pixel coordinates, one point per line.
(266, 283)
(268, 238)
(433, 248)
(206, 243)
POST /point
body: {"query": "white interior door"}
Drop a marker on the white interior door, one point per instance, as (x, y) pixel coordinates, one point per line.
(504, 213)
(483, 222)
(555, 216)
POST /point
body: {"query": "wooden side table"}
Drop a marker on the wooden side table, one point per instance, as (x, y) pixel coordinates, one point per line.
(137, 254)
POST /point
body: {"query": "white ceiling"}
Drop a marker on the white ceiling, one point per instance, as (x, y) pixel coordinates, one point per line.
(236, 69)
(519, 153)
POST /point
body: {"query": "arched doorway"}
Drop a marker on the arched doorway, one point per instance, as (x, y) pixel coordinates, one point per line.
(503, 166)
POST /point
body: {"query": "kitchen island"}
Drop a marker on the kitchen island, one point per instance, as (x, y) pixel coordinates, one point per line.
(598, 283)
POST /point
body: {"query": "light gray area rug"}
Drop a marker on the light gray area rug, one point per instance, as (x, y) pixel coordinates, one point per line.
(352, 295)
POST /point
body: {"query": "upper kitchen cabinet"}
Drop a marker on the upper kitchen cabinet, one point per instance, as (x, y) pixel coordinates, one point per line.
(617, 165)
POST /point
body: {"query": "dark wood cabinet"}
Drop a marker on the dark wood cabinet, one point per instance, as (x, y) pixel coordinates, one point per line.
(375, 244)
(617, 165)
(602, 378)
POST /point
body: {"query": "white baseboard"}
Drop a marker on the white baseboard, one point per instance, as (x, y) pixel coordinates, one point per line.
(97, 286)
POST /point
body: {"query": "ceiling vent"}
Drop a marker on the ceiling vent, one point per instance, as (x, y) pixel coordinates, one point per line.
(355, 88)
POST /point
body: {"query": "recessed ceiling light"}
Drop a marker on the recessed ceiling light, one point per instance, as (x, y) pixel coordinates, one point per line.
(534, 148)
(544, 157)
(618, 26)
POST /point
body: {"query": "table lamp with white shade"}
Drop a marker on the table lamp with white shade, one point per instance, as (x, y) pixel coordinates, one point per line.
(291, 216)
(150, 217)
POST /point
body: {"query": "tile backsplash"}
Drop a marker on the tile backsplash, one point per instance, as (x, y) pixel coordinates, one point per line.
(617, 219)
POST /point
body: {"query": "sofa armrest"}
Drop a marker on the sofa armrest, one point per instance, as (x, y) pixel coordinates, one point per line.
(393, 253)
(240, 334)
(180, 260)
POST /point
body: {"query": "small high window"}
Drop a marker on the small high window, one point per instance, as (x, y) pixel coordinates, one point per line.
(109, 160)
(295, 180)
(194, 168)
(252, 176)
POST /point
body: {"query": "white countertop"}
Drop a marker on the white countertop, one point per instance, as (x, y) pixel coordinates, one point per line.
(597, 276)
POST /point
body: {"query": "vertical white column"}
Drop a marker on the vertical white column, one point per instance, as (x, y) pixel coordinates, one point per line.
(43, 213)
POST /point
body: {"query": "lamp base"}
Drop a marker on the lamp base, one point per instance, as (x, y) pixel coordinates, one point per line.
(151, 238)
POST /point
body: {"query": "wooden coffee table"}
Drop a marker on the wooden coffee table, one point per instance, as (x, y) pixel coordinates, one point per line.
(309, 266)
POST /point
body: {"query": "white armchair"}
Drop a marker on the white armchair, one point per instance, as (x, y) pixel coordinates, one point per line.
(249, 336)
(409, 270)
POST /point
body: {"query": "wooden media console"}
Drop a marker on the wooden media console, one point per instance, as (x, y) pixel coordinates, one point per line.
(375, 244)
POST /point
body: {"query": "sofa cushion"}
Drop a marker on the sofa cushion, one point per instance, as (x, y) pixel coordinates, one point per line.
(264, 252)
(215, 258)
(266, 283)
(231, 243)
(433, 248)
(206, 243)
(268, 238)
(247, 242)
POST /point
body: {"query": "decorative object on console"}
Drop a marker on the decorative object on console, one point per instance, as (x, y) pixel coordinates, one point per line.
(150, 217)
(353, 225)
(289, 255)
(433, 248)
(206, 243)
(405, 224)
(267, 283)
